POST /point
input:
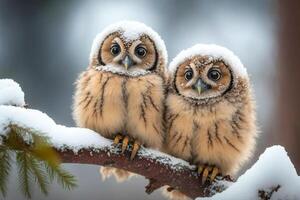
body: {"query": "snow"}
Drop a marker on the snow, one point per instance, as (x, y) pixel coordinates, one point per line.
(120, 70)
(11, 93)
(273, 168)
(166, 159)
(131, 30)
(215, 52)
(59, 136)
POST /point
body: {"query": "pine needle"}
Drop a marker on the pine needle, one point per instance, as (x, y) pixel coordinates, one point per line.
(39, 173)
(25, 177)
(64, 178)
(5, 168)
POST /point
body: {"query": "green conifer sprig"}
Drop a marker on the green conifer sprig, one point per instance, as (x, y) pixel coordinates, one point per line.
(36, 160)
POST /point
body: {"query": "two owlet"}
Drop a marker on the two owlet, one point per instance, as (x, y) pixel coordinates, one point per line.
(210, 112)
(121, 93)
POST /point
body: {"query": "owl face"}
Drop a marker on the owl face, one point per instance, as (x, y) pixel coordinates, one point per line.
(129, 55)
(202, 77)
(129, 48)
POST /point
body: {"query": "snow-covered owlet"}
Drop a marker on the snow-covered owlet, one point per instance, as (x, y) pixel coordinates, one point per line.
(121, 93)
(210, 112)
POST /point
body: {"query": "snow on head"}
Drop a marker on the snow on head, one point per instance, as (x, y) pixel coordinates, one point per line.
(213, 51)
(272, 169)
(11, 93)
(130, 30)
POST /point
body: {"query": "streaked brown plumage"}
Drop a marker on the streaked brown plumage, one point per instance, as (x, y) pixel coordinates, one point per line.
(210, 113)
(121, 94)
(112, 104)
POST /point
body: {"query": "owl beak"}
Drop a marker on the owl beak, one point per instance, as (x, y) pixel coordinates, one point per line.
(200, 86)
(127, 62)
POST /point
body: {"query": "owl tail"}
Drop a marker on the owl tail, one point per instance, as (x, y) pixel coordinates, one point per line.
(119, 174)
(174, 194)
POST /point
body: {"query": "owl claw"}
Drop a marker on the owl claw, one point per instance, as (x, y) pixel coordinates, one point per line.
(200, 169)
(214, 174)
(136, 147)
(117, 139)
(208, 172)
(125, 143)
(205, 174)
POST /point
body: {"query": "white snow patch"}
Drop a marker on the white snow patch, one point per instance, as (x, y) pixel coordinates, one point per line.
(131, 30)
(11, 93)
(121, 70)
(166, 159)
(214, 51)
(59, 136)
(273, 168)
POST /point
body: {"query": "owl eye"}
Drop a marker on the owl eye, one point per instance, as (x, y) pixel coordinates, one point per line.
(214, 74)
(188, 75)
(115, 49)
(140, 52)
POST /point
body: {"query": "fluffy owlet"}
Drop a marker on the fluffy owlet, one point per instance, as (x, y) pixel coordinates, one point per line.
(210, 112)
(121, 93)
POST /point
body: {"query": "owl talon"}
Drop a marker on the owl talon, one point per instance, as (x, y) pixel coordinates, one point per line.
(214, 174)
(205, 174)
(208, 171)
(125, 143)
(117, 139)
(200, 169)
(136, 147)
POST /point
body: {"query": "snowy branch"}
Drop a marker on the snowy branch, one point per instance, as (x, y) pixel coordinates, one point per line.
(84, 146)
(160, 169)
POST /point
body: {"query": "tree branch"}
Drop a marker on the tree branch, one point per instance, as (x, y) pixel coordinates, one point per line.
(158, 168)
(84, 146)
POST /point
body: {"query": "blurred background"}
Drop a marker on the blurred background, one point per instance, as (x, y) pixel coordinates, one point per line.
(44, 45)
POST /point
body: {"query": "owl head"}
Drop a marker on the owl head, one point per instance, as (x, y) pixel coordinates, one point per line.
(205, 73)
(130, 48)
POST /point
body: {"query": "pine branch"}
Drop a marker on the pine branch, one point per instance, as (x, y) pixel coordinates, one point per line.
(36, 161)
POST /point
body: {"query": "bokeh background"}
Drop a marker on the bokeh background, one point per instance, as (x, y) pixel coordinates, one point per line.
(44, 45)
